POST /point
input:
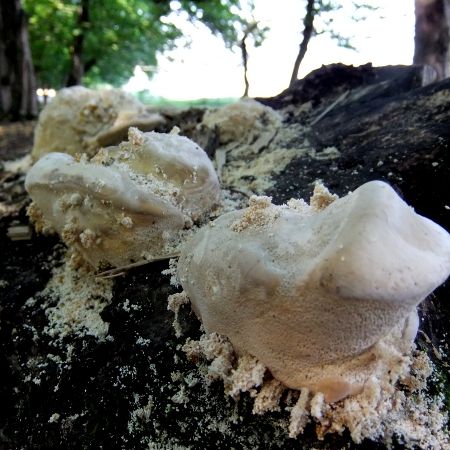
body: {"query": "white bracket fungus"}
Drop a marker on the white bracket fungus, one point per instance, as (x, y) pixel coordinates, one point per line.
(246, 121)
(83, 120)
(129, 201)
(317, 293)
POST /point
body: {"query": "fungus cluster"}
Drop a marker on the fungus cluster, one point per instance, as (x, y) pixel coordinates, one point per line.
(313, 291)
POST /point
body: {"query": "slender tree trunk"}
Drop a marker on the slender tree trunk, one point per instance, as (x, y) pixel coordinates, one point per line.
(250, 28)
(5, 82)
(17, 78)
(432, 35)
(308, 29)
(77, 65)
(245, 63)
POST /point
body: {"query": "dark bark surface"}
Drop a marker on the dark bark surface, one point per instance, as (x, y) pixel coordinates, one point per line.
(77, 64)
(432, 35)
(16, 139)
(17, 78)
(392, 129)
(385, 126)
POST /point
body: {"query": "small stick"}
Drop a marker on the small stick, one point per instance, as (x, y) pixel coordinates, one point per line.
(117, 271)
(436, 352)
(327, 110)
(19, 233)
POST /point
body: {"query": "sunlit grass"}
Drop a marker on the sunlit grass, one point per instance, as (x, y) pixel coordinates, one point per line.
(148, 99)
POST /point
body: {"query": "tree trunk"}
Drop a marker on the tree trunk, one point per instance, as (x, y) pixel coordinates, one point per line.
(432, 35)
(249, 29)
(308, 23)
(77, 68)
(245, 63)
(18, 82)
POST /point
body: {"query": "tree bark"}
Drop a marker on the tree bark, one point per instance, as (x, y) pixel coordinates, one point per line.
(432, 35)
(308, 23)
(77, 68)
(18, 82)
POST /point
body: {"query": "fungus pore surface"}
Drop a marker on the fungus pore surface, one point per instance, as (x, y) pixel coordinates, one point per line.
(318, 293)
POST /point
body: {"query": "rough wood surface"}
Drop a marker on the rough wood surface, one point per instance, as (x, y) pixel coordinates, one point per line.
(123, 392)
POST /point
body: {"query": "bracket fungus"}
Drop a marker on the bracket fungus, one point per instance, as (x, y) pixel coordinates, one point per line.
(83, 120)
(128, 202)
(317, 293)
(243, 121)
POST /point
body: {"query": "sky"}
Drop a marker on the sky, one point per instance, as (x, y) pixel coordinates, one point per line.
(206, 69)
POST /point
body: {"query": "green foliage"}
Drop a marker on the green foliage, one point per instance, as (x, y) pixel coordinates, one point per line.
(118, 35)
(123, 35)
(51, 27)
(324, 11)
(250, 27)
(221, 17)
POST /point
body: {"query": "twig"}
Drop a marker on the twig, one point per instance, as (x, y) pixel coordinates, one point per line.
(436, 352)
(327, 110)
(117, 271)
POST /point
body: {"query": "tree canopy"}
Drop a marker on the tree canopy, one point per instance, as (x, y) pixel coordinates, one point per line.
(115, 35)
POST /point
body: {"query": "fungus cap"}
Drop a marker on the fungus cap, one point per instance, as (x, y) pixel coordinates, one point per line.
(311, 293)
(127, 202)
(242, 121)
(79, 120)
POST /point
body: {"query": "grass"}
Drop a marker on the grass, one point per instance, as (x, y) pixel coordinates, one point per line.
(146, 98)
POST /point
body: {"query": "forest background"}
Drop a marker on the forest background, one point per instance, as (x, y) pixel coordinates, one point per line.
(49, 44)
